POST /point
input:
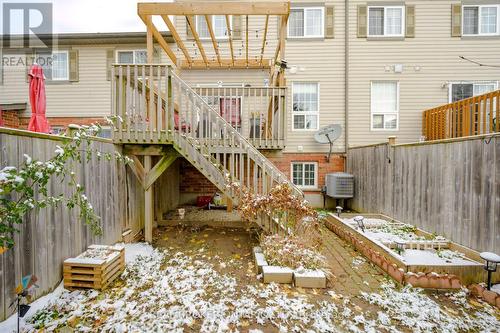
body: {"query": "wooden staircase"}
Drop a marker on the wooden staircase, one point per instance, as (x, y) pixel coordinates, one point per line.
(154, 106)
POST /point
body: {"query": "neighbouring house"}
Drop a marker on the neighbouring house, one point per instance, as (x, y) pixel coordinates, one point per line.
(372, 68)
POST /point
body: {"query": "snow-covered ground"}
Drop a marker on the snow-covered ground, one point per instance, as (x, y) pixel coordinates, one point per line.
(432, 257)
(167, 290)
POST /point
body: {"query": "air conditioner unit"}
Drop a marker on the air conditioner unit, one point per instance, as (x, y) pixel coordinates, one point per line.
(340, 185)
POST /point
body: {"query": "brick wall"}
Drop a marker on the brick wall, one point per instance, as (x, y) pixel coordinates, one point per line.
(336, 163)
(192, 181)
(63, 122)
(10, 119)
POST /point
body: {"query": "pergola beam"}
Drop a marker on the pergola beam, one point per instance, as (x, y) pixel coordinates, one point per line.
(228, 63)
(212, 37)
(230, 37)
(192, 26)
(266, 26)
(159, 38)
(213, 8)
(176, 37)
(246, 38)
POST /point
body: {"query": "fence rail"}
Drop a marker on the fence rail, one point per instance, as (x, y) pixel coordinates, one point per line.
(471, 116)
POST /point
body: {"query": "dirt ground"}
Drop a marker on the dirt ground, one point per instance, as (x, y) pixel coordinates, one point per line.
(230, 251)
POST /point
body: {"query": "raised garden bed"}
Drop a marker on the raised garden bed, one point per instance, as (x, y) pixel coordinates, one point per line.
(305, 278)
(95, 268)
(427, 261)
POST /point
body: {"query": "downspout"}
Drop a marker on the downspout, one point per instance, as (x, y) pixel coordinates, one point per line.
(346, 78)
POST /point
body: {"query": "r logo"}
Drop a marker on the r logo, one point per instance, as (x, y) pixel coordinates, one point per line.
(27, 26)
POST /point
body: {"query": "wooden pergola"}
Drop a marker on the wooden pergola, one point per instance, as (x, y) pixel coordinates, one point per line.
(200, 60)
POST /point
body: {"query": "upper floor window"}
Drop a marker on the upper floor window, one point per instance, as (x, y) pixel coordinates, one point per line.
(305, 105)
(219, 26)
(385, 105)
(463, 90)
(55, 65)
(386, 21)
(132, 57)
(306, 22)
(481, 20)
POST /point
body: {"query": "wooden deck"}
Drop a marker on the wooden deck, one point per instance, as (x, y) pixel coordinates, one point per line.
(148, 109)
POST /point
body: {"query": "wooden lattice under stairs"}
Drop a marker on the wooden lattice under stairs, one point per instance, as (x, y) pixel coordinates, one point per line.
(154, 106)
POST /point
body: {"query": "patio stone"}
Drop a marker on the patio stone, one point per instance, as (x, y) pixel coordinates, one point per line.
(310, 279)
(277, 274)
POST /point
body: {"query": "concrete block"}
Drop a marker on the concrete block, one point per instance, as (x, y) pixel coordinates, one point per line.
(310, 279)
(257, 249)
(260, 261)
(277, 274)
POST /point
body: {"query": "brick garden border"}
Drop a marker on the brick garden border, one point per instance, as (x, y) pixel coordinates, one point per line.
(420, 279)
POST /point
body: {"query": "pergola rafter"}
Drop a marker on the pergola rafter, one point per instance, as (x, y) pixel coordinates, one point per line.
(205, 10)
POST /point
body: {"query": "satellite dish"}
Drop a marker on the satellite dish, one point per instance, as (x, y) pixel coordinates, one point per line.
(328, 134)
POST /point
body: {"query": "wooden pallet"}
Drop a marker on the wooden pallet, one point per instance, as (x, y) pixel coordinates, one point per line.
(81, 272)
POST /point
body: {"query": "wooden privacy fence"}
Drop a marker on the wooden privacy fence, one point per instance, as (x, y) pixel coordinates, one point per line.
(451, 187)
(471, 116)
(50, 235)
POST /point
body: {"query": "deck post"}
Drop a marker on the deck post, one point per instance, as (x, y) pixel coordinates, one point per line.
(149, 41)
(148, 205)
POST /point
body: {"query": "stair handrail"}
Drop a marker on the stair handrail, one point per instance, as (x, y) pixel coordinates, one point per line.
(280, 175)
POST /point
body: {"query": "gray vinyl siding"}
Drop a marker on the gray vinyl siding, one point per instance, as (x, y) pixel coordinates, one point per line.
(433, 50)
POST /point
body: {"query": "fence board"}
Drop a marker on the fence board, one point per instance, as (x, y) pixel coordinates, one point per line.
(50, 235)
(450, 187)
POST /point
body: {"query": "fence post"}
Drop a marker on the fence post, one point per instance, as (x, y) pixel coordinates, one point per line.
(392, 140)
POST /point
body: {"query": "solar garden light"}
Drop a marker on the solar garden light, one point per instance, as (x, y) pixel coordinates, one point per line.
(490, 266)
(400, 246)
(360, 221)
(339, 210)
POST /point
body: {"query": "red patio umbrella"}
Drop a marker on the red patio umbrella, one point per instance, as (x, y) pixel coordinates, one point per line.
(38, 121)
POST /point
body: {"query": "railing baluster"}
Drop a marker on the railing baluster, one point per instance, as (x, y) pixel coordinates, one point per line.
(144, 103)
(113, 98)
(159, 104)
(128, 104)
(136, 107)
(120, 103)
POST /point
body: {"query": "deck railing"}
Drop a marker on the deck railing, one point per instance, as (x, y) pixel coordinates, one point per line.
(471, 116)
(258, 113)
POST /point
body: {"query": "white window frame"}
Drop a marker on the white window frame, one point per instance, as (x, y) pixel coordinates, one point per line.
(388, 113)
(133, 54)
(322, 35)
(403, 21)
(66, 78)
(479, 20)
(198, 17)
(450, 86)
(299, 113)
(310, 187)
